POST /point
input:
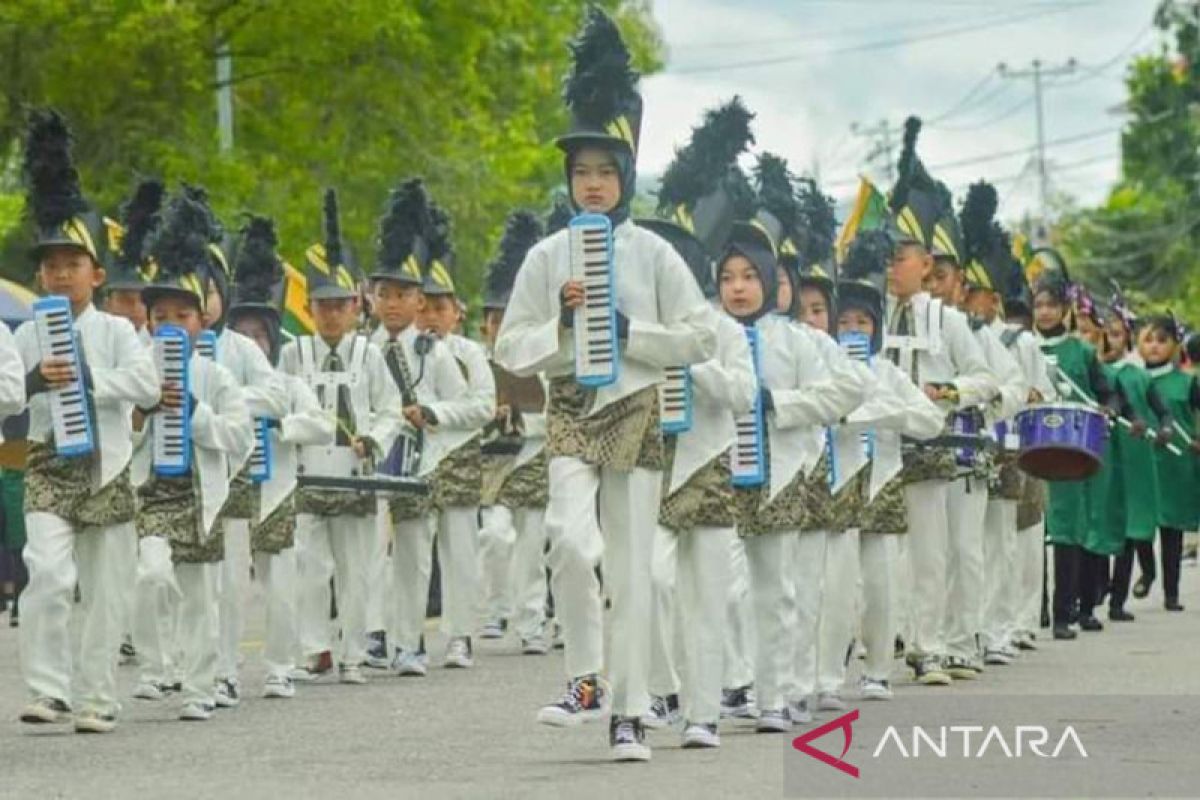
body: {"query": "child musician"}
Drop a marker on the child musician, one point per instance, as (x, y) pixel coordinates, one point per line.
(255, 315)
(78, 509)
(606, 440)
(512, 536)
(182, 510)
(431, 394)
(335, 528)
(799, 391)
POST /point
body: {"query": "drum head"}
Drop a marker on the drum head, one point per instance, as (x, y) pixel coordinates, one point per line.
(1059, 463)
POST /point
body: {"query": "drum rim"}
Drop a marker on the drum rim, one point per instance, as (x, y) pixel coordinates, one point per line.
(1068, 405)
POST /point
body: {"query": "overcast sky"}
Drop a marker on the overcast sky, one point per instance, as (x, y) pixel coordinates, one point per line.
(811, 68)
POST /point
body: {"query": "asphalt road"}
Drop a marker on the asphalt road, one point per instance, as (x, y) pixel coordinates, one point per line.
(472, 733)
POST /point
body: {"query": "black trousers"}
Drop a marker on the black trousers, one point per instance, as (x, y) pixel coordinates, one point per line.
(1067, 561)
(1093, 581)
(1123, 570)
(1171, 554)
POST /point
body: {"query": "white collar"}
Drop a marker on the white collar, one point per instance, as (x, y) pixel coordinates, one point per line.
(1161, 369)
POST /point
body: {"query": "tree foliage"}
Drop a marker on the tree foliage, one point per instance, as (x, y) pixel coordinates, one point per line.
(357, 94)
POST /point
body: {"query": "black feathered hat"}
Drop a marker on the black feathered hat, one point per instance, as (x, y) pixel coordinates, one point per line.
(987, 253)
(437, 278)
(862, 283)
(947, 242)
(258, 272)
(690, 249)
(403, 240)
(601, 89)
(521, 232)
(559, 216)
(180, 248)
(328, 273)
(816, 233)
(139, 215)
(915, 201)
(61, 214)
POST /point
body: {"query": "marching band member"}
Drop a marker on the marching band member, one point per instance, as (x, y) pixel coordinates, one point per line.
(182, 511)
(255, 315)
(78, 509)
(605, 441)
(512, 535)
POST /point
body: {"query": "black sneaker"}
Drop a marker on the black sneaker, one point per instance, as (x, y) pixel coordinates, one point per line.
(1142, 587)
(1090, 623)
(737, 703)
(1119, 615)
(377, 650)
(627, 739)
(663, 713)
(585, 699)
(1064, 632)
(1172, 604)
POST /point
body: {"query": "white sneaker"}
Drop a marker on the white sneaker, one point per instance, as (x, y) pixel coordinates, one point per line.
(696, 735)
(830, 701)
(227, 693)
(196, 712)
(351, 674)
(535, 646)
(800, 712)
(663, 713)
(492, 629)
(774, 720)
(90, 721)
(279, 686)
(407, 663)
(627, 740)
(458, 653)
(874, 689)
(46, 710)
(996, 656)
(150, 691)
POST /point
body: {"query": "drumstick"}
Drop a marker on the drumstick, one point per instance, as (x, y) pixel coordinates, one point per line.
(1097, 407)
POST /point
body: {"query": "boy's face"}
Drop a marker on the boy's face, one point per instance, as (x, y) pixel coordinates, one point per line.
(983, 304)
(783, 297)
(1155, 346)
(396, 305)
(595, 180)
(493, 318)
(741, 288)
(256, 330)
(855, 320)
(173, 309)
(946, 282)
(335, 317)
(70, 272)
(213, 305)
(1047, 311)
(127, 303)
(814, 310)
(440, 314)
(910, 264)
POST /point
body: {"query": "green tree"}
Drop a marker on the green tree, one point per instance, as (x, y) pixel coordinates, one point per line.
(356, 95)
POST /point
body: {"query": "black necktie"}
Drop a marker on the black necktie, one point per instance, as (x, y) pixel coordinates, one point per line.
(345, 422)
(398, 366)
(902, 326)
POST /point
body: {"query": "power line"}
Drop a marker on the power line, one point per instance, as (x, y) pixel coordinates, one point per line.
(1021, 105)
(1037, 71)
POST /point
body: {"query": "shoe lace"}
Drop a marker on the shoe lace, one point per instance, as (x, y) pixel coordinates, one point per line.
(578, 695)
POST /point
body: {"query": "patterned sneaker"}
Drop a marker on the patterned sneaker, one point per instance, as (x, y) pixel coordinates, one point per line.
(535, 646)
(874, 689)
(585, 699)
(737, 703)
(408, 664)
(458, 653)
(663, 713)
(227, 694)
(773, 720)
(197, 712)
(800, 711)
(351, 674)
(493, 629)
(697, 735)
(279, 687)
(959, 669)
(628, 740)
(46, 711)
(830, 701)
(377, 650)
(318, 666)
(90, 721)
(928, 670)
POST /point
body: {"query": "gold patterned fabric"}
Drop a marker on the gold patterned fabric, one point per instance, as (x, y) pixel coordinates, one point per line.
(847, 504)
(527, 486)
(496, 470)
(818, 496)
(887, 513)
(335, 503)
(788, 511)
(277, 532)
(242, 502)
(170, 507)
(63, 487)
(706, 499)
(1032, 505)
(928, 464)
(457, 480)
(621, 436)
(1009, 480)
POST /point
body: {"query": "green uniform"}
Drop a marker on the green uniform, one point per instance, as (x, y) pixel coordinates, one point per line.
(1133, 502)
(1179, 476)
(1069, 510)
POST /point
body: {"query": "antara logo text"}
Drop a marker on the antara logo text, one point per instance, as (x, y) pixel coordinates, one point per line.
(946, 741)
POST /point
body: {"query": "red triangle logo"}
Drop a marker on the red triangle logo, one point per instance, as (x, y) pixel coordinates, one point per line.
(844, 722)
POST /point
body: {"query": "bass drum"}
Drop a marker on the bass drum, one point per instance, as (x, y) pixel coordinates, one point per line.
(1061, 441)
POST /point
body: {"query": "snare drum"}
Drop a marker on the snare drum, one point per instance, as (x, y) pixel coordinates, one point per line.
(966, 423)
(1061, 441)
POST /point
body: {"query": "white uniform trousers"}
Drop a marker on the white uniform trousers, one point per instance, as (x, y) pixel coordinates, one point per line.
(927, 540)
(877, 559)
(739, 621)
(57, 557)
(276, 573)
(497, 537)
(412, 563)
(129, 588)
(528, 572)
(771, 588)
(155, 618)
(198, 630)
(999, 565)
(340, 547)
(457, 531)
(664, 615)
(807, 561)
(233, 583)
(839, 602)
(967, 508)
(702, 566)
(1031, 552)
(628, 508)
(576, 547)
(379, 584)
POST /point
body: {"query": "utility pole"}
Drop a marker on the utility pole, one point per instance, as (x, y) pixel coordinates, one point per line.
(881, 134)
(224, 96)
(1038, 71)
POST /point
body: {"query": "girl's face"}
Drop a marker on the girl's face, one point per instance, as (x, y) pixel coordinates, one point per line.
(814, 310)
(1092, 333)
(741, 288)
(1048, 313)
(213, 305)
(1156, 346)
(595, 180)
(783, 297)
(855, 320)
(1118, 337)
